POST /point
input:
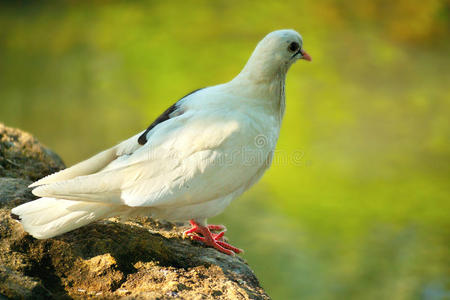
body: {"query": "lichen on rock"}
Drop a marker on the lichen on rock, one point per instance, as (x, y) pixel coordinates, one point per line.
(111, 259)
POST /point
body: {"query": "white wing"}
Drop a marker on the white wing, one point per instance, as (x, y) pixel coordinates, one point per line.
(93, 164)
(188, 159)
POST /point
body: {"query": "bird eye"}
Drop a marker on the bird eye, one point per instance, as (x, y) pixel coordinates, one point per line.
(294, 46)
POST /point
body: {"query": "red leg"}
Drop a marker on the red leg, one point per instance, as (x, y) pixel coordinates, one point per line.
(211, 239)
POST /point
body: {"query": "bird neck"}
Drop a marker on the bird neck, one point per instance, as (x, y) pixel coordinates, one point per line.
(268, 92)
(263, 68)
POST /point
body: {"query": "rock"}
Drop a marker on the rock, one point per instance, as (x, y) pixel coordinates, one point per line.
(14, 191)
(112, 259)
(22, 156)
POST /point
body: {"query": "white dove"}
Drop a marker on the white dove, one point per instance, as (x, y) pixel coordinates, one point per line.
(189, 164)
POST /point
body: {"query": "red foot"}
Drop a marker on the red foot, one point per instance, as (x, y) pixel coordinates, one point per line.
(211, 239)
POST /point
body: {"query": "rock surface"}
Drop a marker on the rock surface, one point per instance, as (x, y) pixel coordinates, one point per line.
(22, 156)
(112, 259)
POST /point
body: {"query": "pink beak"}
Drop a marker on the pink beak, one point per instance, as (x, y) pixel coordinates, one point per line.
(305, 55)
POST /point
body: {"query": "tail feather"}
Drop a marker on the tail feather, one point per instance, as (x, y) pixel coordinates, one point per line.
(48, 217)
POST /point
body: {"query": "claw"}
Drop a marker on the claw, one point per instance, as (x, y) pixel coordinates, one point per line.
(211, 239)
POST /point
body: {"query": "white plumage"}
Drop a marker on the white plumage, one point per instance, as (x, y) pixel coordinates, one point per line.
(193, 163)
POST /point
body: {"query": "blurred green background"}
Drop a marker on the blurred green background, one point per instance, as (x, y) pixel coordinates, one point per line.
(357, 203)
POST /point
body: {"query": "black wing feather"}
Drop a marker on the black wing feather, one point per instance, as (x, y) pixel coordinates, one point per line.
(166, 115)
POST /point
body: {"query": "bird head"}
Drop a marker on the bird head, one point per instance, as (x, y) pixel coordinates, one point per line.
(275, 53)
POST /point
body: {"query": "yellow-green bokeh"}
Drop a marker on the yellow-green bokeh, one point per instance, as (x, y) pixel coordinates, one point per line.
(356, 205)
